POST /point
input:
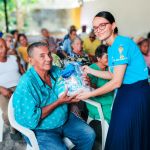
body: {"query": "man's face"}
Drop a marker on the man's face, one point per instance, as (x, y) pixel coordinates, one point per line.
(3, 49)
(41, 58)
(92, 37)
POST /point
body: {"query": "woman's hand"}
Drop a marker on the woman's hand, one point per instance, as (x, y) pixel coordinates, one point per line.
(87, 69)
(86, 79)
(83, 95)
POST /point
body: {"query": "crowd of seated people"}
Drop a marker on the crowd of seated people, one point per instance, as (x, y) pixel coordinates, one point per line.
(14, 60)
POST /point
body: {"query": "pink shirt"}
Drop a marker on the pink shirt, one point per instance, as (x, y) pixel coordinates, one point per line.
(147, 59)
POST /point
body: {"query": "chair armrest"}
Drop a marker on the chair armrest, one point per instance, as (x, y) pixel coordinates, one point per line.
(28, 133)
(98, 106)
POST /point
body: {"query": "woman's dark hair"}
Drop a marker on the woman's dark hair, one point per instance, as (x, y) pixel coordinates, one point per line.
(21, 35)
(100, 51)
(108, 16)
(72, 30)
(142, 41)
(14, 31)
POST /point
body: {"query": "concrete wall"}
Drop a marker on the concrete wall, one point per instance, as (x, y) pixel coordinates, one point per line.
(132, 16)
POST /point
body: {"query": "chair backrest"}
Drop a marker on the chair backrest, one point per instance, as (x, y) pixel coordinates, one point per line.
(27, 132)
(104, 123)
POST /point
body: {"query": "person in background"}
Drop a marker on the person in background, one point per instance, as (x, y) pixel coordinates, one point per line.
(51, 41)
(83, 33)
(78, 54)
(144, 47)
(22, 49)
(147, 58)
(44, 110)
(15, 34)
(105, 100)
(128, 73)
(10, 73)
(10, 45)
(72, 27)
(67, 50)
(90, 44)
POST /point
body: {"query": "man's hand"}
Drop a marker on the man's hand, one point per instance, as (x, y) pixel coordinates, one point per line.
(64, 98)
(5, 92)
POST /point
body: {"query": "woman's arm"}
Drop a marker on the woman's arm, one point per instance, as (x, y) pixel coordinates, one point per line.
(100, 74)
(109, 86)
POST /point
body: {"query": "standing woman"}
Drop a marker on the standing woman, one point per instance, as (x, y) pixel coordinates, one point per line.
(130, 121)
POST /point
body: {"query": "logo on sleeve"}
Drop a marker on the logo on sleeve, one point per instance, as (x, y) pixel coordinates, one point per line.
(120, 49)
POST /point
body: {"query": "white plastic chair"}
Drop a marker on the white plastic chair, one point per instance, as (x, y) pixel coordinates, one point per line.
(104, 123)
(27, 132)
(1, 126)
(31, 136)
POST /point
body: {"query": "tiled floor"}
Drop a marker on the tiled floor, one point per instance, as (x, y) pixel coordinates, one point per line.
(9, 144)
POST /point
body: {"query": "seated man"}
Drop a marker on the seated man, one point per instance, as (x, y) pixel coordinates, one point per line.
(90, 44)
(38, 106)
(10, 70)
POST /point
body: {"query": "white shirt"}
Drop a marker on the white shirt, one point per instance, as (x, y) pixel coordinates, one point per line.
(9, 72)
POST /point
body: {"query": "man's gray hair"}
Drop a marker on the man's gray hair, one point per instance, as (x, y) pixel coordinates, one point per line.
(75, 39)
(31, 47)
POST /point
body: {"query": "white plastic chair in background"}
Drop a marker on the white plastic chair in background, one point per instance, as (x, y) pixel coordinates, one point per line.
(104, 123)
(1, 126)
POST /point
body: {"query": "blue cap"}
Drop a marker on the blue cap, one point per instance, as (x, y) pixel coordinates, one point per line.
(1, 34)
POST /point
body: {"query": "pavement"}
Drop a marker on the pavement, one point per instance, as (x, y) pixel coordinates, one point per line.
(17, 143)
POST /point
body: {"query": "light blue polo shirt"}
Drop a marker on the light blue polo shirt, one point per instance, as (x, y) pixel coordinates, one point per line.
(32, 94)
(125, 51)
(67, 46)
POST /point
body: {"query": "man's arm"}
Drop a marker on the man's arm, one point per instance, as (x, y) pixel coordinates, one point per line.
(49, 108)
